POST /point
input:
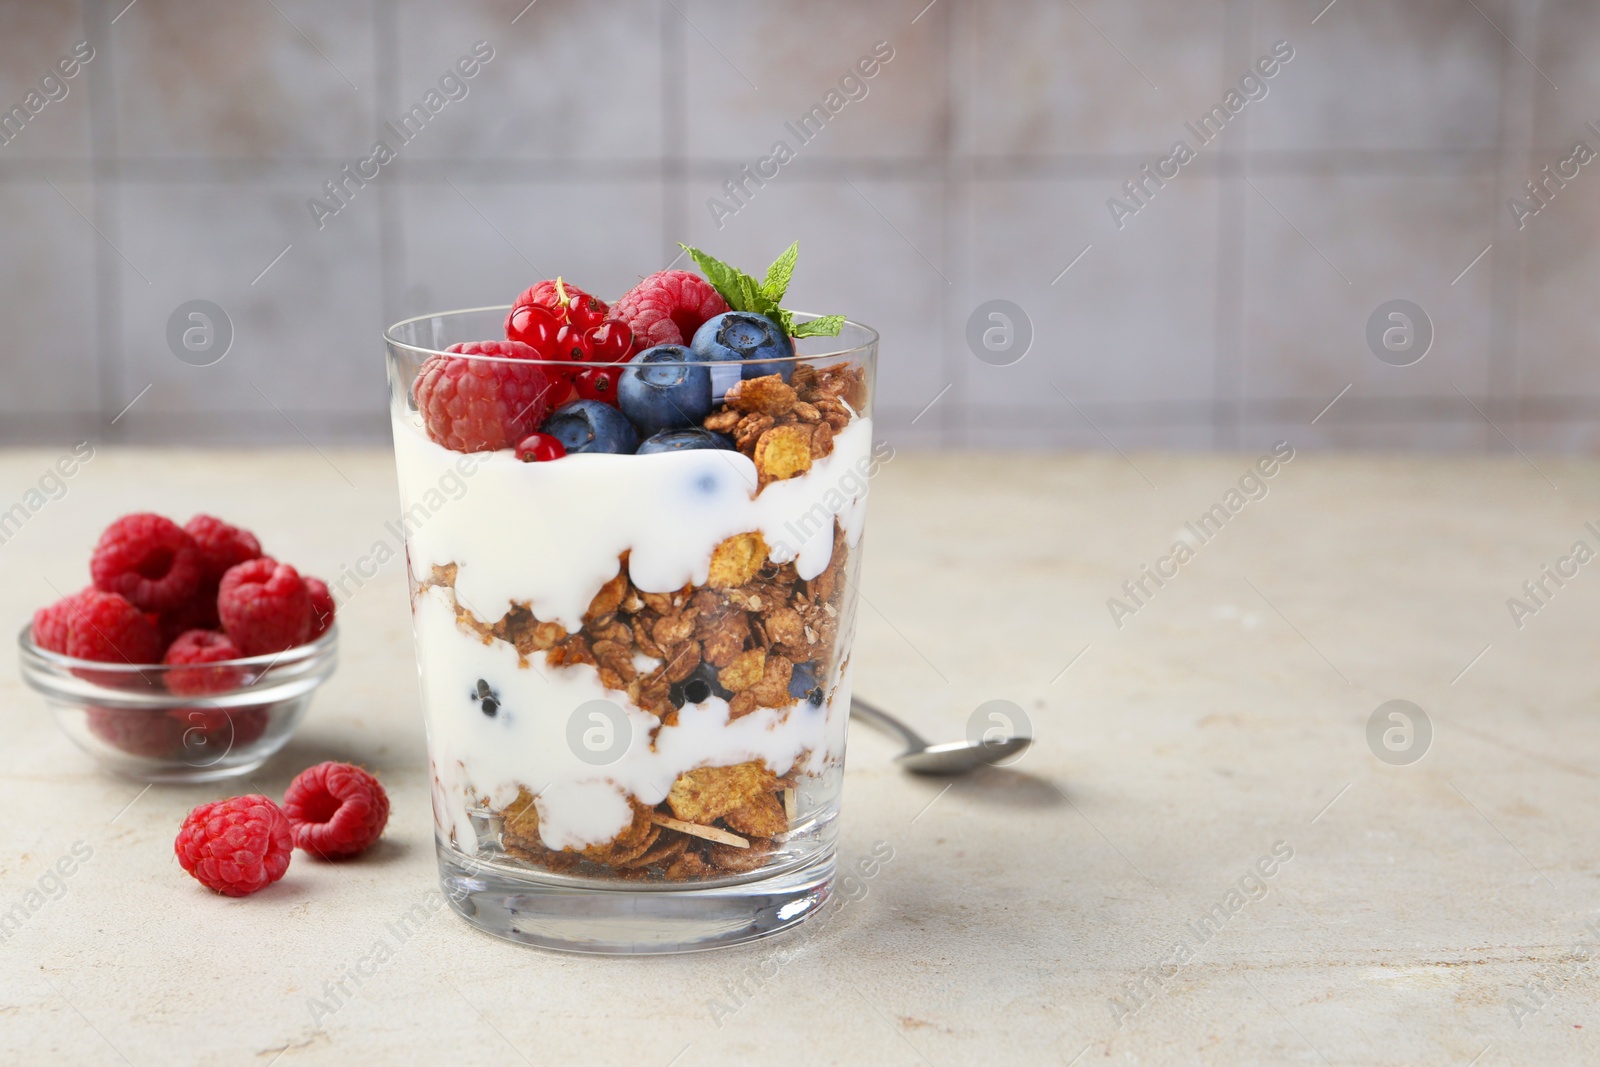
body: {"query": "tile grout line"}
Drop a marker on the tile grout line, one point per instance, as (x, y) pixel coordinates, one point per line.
(393, 270)
(1516, 106)
(1231, 248)
(109, 371)
(541, 170)
(674, 167)
(956, 250)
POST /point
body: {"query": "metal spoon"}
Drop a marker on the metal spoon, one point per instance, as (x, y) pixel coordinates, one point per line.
(951, 757)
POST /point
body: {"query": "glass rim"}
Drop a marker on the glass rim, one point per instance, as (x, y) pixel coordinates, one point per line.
(300, 653)
(870, 342)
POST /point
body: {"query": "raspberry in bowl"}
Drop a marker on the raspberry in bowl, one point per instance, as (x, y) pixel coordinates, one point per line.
(633, 622)
(191, 657)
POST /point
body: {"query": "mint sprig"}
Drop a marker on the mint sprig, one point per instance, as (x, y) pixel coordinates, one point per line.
(744, 293)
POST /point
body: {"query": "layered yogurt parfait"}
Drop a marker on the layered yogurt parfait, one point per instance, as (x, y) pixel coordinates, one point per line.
(632, 535)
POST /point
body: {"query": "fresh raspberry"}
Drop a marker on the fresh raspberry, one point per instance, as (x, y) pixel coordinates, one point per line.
(148, 559)
(200, 736)
(265, 607)
(236, 846)
(106, 628)
(481, 405)
(50, 623)
(199, 613)
(202, 647)
(148, 732)
(221, 546)
(321, 607)
(337, 809)
(667, 308)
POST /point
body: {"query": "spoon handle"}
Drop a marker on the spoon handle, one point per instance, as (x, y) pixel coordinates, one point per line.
(882, 720)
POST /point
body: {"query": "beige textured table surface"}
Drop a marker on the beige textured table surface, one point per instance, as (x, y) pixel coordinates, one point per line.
(1430, 913)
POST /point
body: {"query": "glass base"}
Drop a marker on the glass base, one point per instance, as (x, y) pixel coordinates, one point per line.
(185, 775)
(631, 919)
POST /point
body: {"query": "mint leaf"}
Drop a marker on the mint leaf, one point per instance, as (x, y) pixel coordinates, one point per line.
(826, 326)
(780, 272)
(723, 278)
(744, 293)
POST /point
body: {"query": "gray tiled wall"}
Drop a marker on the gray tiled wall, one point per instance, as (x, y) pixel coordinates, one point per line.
(1228, 311)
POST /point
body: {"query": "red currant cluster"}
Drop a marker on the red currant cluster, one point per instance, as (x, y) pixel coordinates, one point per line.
(563, 323)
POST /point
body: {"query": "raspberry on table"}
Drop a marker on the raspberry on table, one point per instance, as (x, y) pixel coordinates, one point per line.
(322, 607)
(221, 545)
(106, 628)
(481, 405)
(236, 846)
(192, 651)
(264, 606)
(667, 308)
(337, 809)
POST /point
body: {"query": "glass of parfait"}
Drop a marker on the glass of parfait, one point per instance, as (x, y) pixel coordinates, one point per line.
(634, 659)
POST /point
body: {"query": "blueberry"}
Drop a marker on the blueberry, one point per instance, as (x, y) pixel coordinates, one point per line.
(659, 393)
(803, 684)
(486, 698)
(747, 337)
(590, 426)
(699, 687)
(684, 441)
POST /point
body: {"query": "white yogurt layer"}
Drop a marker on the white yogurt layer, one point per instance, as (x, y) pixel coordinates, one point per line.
(549, 535)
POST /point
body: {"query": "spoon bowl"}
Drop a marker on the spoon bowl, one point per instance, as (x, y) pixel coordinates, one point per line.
(958, 757)
(949, 757)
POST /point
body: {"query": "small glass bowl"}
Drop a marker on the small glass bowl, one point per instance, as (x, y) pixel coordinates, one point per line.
(130, 719)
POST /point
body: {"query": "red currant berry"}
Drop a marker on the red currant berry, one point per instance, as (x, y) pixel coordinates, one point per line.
(539, 447)
(586, 312)
(598, 383)
(610, 342)
(561, 387)
(570, 345)
(534, 326)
